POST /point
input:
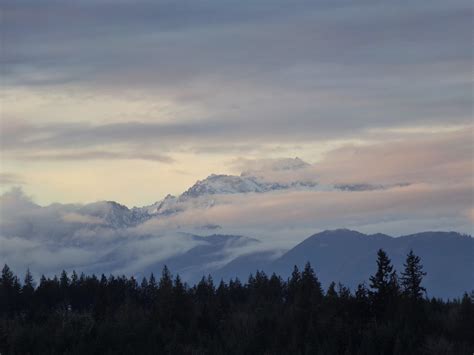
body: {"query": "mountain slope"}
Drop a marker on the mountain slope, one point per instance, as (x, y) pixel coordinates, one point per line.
(209, 255)
(349, 257)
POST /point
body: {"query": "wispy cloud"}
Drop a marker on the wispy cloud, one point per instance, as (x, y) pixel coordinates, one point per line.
(308, 71)
(94, 155)
(11, 179)
(439, 158)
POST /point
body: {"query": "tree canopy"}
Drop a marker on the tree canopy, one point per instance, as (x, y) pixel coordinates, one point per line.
(86, 314)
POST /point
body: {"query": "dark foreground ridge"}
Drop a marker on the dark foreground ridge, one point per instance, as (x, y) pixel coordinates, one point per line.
(267, 315)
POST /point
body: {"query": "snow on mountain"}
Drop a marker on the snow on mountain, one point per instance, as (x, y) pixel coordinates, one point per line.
(224, 184)
(165, 206)
(252, 180)
(232, 184)
(204, 193)
(114, 214)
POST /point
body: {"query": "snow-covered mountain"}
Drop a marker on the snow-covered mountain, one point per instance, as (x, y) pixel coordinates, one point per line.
(202, 194)
(166, 206)
(206, 193)
(113, 214)
(231, 184)
(224, 184)
(106, 236)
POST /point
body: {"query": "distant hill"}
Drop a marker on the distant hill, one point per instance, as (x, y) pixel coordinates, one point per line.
(210, 253)
(348, 257)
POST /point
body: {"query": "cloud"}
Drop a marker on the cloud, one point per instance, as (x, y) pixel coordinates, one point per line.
(261, 72)
(140, 253)
(11, 179)
(20, 253)
(262, 166)
(440, 158)
(203, 29)
(470, 214)
(95, 155)
(329, 209)
(439, 197)
(55, 237)
(86, 83)
(428, 181)
(90, 87)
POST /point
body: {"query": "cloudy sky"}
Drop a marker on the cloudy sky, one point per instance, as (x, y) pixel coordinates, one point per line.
(131, 100)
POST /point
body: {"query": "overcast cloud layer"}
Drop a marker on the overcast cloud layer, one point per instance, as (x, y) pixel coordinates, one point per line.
(132, 100)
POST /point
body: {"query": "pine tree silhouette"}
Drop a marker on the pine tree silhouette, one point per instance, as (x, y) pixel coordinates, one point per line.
(384, 282)
(412, 277)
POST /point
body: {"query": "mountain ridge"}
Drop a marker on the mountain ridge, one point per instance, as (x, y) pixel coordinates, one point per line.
(207, 193)
(348, 257)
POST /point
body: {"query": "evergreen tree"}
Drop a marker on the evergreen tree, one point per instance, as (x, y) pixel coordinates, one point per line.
(9, 291)
(361, 305)
(164, 299)
(111, 315)
(331, 292)
(276, 288)
(384, 287)
(310, 283)
(28, 289)
(103, 281)
(64, 280)
(74, 278)
(152, 287)
(343, 292)
(294, 284)
(28, 282)
(144, 284)
(8, 278)
(166, 281)
(412, 277)
(152, 281)
(361, 293)
(384, 283)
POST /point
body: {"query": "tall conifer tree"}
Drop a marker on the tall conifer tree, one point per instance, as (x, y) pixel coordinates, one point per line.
(412, 277)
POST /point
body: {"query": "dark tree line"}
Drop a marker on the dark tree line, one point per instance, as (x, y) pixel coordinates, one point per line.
(86, 314)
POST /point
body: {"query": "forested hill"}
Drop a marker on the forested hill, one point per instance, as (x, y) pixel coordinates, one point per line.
(79, 314)
(347, 256)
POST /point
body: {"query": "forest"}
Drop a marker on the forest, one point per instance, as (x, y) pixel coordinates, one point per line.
(88, 314)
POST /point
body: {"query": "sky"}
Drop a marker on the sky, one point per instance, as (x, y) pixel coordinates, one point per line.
(132, 100)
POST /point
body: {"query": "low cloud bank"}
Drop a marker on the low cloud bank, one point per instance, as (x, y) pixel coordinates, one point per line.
(428, 187)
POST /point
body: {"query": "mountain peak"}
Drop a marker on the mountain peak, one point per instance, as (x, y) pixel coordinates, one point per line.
(340, 232)
(223, 184)
(114, 214)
